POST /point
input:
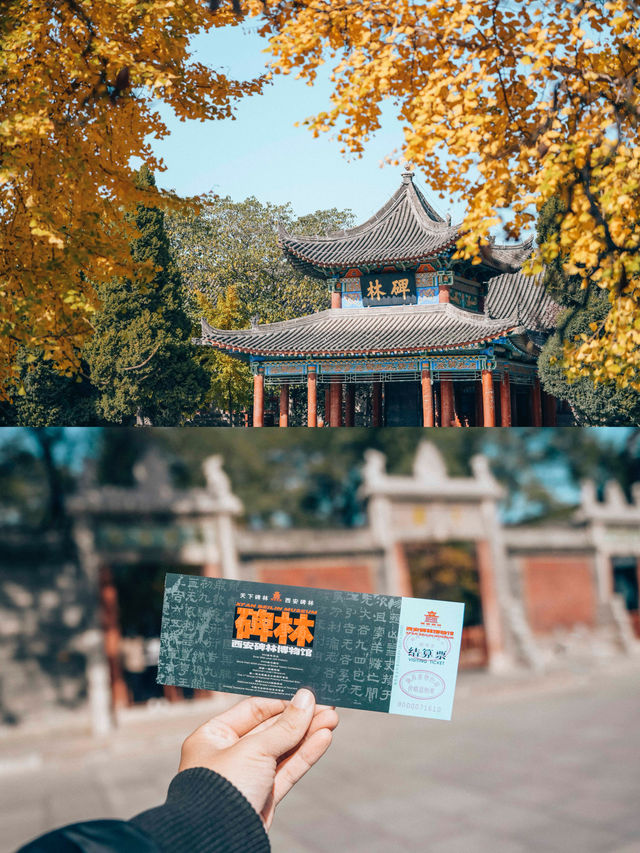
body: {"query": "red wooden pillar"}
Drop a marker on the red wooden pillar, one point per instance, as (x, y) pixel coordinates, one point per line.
(349, 405)
(336, 293)
(443, 293)
(258, 399)
(505, 400)
(312, 397)
(536, 403)
(376, 404)
(427, 398)
(327, 406)
(488, 401)
(478, 402)
(335, 404)
(284, 406)
(112, 636)
(447, 403)
(550, 413)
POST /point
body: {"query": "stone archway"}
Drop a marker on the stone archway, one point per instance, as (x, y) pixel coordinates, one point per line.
(449, 571)
(121, 530)
(431, 509)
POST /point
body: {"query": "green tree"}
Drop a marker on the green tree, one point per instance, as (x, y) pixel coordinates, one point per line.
(49, 398)
(313, 479)
(140, 357)
(230, 379)
(236, 243)
(585, 311)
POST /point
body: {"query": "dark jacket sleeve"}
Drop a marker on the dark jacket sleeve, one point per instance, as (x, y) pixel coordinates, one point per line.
(203, 813)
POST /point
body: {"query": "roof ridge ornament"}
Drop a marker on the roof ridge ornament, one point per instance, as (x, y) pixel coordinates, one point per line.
(407, 177)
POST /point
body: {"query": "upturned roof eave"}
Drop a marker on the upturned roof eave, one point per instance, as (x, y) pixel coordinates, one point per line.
(321, 266)
(355, 352)
(405, 190)
(301, 250)
(215, 337)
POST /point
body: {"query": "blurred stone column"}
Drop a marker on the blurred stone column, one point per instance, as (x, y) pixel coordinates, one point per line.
(91, 642)
(221, 536)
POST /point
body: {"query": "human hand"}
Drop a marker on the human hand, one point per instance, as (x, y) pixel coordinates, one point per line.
(263, 746)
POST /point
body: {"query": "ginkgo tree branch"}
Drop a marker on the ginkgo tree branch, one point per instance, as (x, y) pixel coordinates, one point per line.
(142, 363)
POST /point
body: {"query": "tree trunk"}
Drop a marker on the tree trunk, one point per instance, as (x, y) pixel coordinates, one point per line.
(46, 440)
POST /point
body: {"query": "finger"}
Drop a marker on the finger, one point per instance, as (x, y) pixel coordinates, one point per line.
(242, 718)
(302, 760)
(268, 810)
(327, 719)
(290, 728)
(330, 719)
(323, 717)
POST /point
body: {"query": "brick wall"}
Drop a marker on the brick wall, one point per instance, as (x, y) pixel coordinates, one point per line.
(353, 577)
(559, 591)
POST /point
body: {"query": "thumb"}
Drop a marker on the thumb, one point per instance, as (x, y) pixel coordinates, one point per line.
(291, 726)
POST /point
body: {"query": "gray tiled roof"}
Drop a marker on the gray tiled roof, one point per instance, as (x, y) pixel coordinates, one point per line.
(406, 230)
(510, 256)
(338, 331)
(522, 297)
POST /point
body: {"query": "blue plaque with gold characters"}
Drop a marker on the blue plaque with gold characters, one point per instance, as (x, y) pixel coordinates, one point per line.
(388, 288)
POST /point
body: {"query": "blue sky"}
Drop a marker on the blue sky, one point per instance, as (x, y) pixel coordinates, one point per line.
(263, 154)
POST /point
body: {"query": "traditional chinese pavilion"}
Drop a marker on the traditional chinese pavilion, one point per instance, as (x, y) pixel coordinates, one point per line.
(432, 340)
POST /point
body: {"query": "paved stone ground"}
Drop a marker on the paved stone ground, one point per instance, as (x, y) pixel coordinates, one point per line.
(528, 764)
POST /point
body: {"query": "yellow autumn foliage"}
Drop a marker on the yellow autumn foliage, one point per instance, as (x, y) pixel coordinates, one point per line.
(78, 81)
(526, 98)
